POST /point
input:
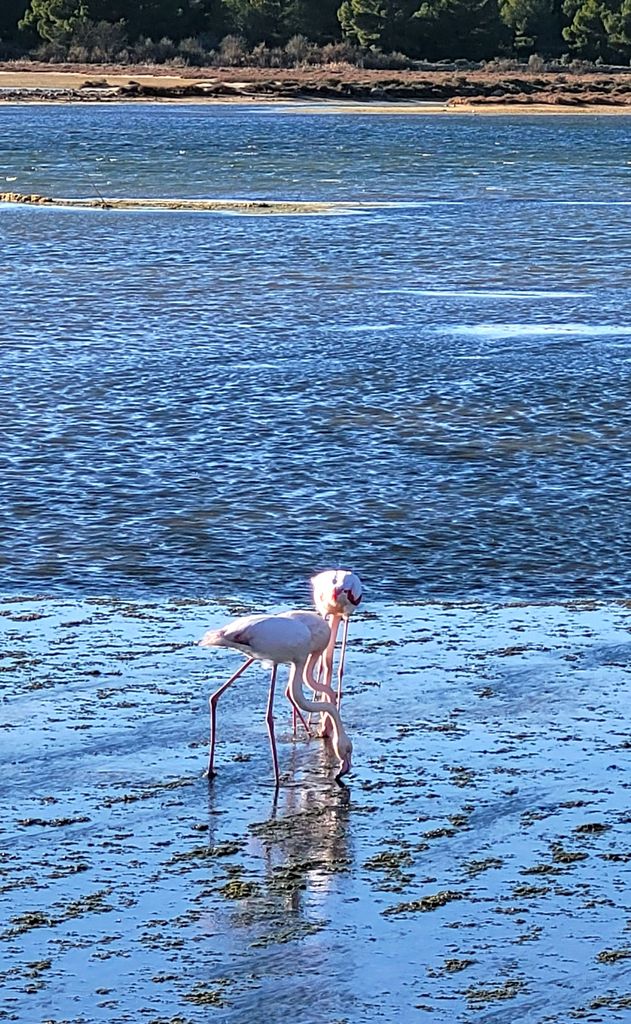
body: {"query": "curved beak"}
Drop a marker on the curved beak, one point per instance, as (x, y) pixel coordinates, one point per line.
(345, 768)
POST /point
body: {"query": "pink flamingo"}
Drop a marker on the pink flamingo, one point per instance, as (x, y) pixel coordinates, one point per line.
(279, 640)
(336, 593)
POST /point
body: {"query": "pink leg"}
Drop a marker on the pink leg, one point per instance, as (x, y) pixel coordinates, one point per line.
(316, 689)
(329, 654)
(340, 671)
(269, 718)
(210, 771)
(297, 714)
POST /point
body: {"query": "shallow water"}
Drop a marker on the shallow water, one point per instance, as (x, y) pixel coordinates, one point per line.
(436, 392)
(475, 869)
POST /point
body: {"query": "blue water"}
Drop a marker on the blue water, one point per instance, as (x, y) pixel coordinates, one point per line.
(434, 392)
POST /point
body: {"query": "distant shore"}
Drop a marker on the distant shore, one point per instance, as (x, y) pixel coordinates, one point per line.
(344, 88)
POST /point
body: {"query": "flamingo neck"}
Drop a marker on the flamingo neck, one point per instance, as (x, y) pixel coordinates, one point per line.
(296, 692)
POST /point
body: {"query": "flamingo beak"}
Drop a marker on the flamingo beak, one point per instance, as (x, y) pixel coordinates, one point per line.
(345, 768)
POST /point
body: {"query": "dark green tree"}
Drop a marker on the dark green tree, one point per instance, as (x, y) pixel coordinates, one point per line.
(619, 28)
(369, 22)
(315, 19)
(11, 12)
(54, 20)
(587, 32)
(535, 25)
(470, 29)
(58, 20)
(260, 21)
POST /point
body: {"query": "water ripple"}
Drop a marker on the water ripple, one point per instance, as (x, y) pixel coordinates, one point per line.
(435, 393)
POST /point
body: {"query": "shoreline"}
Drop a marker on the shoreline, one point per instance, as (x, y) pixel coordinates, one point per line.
(324, 90)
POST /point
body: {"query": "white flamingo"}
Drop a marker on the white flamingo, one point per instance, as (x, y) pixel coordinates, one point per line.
(336, 594)
(279, 640)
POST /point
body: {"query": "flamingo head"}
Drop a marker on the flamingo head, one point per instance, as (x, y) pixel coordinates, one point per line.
(344, 750)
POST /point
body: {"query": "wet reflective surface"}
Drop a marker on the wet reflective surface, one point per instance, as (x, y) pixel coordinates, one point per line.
(436, 393)
(475, 869)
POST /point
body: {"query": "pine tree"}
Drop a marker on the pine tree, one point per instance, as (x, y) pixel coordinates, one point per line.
(535, 24)
(587, 33)
(368, 22)
(471, 29)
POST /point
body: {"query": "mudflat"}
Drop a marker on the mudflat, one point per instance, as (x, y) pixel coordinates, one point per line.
(475, 867)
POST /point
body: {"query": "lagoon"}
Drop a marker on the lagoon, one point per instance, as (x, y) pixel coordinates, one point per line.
(198, 411)
(436, 391)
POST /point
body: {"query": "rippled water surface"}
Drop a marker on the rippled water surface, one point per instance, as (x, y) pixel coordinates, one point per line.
(435, 391)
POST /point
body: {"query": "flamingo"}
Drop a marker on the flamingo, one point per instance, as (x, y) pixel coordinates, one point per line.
(336, 593)
(279, 640)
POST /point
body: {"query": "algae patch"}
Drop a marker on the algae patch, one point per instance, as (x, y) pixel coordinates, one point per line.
(427, 903)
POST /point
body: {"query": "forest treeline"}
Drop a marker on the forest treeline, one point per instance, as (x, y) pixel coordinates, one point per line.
(284, 33)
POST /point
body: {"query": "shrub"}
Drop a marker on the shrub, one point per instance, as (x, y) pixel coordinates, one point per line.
(192, 51)
(53, 53)
(232, 51)
(386, 61)
(298, 50)
(145, 51)
(341, 53)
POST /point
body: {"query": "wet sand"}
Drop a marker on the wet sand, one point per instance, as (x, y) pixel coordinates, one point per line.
(476, 868)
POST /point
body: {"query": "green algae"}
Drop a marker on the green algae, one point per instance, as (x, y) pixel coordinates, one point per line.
(452, 965)
(22, 923)
(477, 867)
(540, 869)
(206, 997)
(293, 932)
(507, 990)
(562, 856)
(592, 828)
(613, 956)
(425, 904)
(227, 849)
(389, 861)
(527, 892)
(53, 822)
(439, 833)
(238, 890)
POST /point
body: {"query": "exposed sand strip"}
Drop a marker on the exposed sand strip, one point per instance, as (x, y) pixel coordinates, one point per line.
(243, 206)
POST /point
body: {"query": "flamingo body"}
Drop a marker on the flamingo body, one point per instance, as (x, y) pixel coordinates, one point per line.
(269, 638)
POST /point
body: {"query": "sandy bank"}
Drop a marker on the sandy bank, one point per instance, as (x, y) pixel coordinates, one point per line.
(242, 206)
(348, 88)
